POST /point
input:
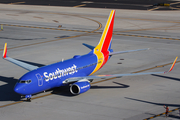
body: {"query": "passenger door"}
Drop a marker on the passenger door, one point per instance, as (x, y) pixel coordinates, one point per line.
(40, 80)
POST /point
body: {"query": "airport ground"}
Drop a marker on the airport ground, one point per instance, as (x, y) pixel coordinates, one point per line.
(112, 4)
(42, 35)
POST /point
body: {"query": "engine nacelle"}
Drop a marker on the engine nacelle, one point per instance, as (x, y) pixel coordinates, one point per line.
(80, 87)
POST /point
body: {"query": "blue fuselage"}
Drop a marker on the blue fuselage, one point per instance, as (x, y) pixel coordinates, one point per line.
(53, 75)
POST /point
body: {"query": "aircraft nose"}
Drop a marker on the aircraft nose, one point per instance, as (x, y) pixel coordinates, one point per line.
(19, 89)
(16, 89)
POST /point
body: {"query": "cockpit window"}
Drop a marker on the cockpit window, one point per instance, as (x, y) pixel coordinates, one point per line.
(22, 81)
(28, 81)
(25, 81)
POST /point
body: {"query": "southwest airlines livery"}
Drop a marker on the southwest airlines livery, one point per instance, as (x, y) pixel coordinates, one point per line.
(76, 71)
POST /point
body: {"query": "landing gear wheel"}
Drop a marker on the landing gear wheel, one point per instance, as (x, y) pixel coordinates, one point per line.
(29, 99)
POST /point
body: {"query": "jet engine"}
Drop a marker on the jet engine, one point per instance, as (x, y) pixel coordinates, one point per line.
(80, 87)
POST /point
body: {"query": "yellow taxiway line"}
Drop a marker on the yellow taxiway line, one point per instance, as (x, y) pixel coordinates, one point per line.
(80, 5)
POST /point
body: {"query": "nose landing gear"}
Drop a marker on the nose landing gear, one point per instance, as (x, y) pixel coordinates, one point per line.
(28, 98)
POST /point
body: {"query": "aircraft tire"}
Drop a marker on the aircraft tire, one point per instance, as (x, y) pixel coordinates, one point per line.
(28, 99)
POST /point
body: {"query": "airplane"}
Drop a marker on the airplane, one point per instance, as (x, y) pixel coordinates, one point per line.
(75, 72)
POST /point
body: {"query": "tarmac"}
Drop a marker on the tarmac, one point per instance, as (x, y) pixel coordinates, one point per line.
(108, 4)
(42, 35)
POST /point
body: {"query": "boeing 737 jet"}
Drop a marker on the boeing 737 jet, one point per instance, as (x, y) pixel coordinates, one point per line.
(76, 72)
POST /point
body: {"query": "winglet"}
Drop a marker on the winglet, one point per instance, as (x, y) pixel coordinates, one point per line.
(5, 51)
(172, 66)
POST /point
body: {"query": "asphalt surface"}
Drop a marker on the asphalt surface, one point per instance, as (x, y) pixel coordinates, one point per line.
(42, 35)
(113, 4)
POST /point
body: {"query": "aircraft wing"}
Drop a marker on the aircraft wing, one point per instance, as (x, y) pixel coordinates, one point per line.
(121, 52)
(17, 62)
(75, 79)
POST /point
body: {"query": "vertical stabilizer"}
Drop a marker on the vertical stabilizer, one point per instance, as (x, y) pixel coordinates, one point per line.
(106, 36)
(103, 47)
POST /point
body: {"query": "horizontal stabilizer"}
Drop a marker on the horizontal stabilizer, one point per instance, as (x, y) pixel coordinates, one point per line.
(121, 52)
(89, 46)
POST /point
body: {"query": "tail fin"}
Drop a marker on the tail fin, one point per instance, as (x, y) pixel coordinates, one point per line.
(106, 37)
(102, 50)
